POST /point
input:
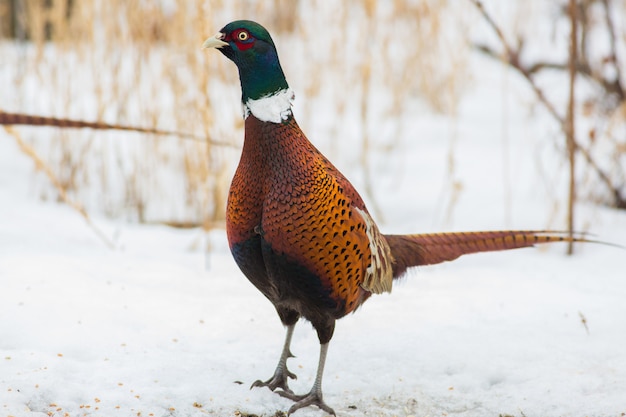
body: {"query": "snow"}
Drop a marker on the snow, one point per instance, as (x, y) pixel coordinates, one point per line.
(159, 327)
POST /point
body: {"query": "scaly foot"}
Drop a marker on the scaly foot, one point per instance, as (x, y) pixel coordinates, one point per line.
(280, 379)
(312, 398)
(281, 375)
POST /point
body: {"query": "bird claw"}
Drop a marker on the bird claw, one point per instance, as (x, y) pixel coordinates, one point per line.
(280, 379)
(312, 398)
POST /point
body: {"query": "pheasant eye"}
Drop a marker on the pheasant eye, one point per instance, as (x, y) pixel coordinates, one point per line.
(243, 35)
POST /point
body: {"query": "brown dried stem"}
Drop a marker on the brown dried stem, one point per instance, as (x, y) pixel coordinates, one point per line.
(42, 166)
(570, 129)
(32, 120)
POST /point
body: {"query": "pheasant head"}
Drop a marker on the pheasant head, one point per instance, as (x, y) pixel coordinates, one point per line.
(264, 89)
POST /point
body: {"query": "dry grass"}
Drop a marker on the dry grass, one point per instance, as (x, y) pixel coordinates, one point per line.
(139, 63)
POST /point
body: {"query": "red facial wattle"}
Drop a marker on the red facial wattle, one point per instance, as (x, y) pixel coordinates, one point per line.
(242, 39)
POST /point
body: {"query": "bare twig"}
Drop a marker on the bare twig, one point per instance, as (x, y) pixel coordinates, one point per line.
(41, 165)
(609, 86)
(570, 131)
(31, 120)
(617, 83)
(619, 199)
(512, 58)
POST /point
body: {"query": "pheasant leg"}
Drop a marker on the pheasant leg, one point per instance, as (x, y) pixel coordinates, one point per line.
(282, 374)
(314, 397)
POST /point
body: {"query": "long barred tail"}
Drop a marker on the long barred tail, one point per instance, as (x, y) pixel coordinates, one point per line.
(434, 248)
(30, 120)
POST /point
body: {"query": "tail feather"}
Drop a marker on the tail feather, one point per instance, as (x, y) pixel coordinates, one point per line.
(434, 248)
(31, 120)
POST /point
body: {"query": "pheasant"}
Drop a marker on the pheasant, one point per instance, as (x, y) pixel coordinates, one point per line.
(297, 228)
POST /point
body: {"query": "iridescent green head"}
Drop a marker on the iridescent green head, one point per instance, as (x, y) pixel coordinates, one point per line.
(250, 46)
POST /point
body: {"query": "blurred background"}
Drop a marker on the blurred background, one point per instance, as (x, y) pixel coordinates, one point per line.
(375, 81)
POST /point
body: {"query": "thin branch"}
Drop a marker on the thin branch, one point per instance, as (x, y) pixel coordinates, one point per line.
(609, 86)
(511, 57)
(570, 131)
(31, 120)
(617, 83)
(620, 201)
(41, 165)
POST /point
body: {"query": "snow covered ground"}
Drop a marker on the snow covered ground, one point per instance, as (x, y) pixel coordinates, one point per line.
(158, 327)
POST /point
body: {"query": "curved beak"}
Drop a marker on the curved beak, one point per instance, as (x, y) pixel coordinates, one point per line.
(215, 41)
